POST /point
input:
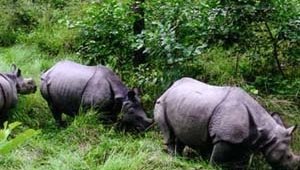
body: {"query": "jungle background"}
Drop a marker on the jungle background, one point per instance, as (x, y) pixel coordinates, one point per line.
(253, 44)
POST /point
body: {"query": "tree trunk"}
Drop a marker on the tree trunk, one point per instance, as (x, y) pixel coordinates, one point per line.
(138, 26)
(275, 50)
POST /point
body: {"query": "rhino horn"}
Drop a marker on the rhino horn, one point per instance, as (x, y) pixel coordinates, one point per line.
(291, 129)
(13, 67)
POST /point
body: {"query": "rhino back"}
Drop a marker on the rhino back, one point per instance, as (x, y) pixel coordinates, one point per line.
(189, 105)
(65, 84)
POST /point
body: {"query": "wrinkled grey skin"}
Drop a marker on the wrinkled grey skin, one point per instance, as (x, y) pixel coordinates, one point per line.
(224, 123)
(67, 86)
(11, 84)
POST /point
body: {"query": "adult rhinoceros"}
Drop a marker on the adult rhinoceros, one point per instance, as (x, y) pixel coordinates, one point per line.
(67, 86)
(11, 84)
(223, 122)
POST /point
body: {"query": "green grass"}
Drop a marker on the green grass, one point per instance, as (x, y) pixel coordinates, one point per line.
(87, 144)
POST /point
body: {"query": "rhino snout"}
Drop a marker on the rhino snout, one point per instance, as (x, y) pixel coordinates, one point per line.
(28, 86)
(139, 123)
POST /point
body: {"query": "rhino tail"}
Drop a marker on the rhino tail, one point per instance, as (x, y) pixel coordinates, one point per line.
(45, 83)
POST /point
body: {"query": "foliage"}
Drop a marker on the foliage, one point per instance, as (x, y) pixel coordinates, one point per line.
(267, 32)
(106, 32)
(173, 30)
(7, 145)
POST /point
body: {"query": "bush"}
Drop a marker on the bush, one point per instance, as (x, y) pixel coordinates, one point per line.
(16, 17)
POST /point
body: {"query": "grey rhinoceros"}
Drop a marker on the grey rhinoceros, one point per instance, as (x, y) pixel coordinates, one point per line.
(224, 123)
(69, 86)
(11, 84)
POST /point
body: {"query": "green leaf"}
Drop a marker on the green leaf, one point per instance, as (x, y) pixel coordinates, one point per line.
(13, 125)
(19, 139)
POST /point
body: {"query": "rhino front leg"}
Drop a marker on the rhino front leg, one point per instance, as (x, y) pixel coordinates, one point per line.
(112, 115)
(3, 118)
(229, 156)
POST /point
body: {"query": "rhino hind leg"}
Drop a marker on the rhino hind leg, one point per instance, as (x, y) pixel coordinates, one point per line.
(57, 115)
(229, 156)
(173, 145)
(178, 147)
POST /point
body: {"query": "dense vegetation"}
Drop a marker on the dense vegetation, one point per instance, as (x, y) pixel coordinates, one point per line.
(253, 44)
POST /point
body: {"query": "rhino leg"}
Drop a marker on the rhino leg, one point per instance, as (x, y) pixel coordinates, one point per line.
(229, 155)
(174, 145)
(57, 115)
(3, 118)
(179, 146)
(112, 115)
(107, 118)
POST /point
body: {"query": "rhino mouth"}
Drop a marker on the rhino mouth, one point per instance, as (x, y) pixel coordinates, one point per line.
(28, 90)
(147, 127)
(141, 127)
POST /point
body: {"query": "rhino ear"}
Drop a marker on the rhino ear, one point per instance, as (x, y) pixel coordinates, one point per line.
(277, 118)
(136, 90)
(18, 73)
(131, 95)
(291, 129)
(13, 68)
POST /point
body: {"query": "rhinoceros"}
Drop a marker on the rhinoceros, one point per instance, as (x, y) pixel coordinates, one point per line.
(224, 123)
(69, 86)
(11, 84)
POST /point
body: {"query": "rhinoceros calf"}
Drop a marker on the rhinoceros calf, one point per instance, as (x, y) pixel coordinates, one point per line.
(11, 84)
(224, 123)
(67, 86)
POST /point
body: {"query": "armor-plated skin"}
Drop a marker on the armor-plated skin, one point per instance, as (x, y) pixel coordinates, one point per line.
(11, 84)
(67, 86)
(223, 122)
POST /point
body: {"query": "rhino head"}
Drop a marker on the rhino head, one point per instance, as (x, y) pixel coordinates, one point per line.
(133, 114)
(279, 154)
(23, 85)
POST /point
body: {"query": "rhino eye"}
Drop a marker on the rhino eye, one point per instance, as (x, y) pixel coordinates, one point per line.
(17, 86)
(138, 119)
(130, 111)
(289, 156)
(126, 104)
